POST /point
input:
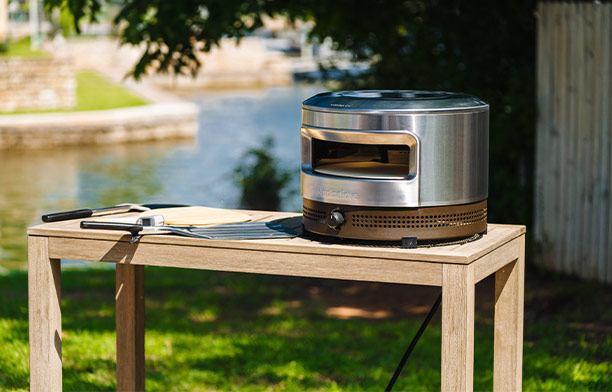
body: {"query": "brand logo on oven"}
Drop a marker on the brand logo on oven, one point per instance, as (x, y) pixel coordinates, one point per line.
(329, 193)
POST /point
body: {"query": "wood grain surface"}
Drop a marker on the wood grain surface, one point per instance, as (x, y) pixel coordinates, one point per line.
(45, 317)
(458, 254)
(249, 260)
(130, 326)
(456, 268)
(185, 216)
(458, 291)
(508, 325)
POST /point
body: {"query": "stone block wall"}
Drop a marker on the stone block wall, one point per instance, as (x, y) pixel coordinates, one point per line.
(132, 124)
(36, 84)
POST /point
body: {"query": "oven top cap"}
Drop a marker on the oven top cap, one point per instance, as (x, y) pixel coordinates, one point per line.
(384, 101)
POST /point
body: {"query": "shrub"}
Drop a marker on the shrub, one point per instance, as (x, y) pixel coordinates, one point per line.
(261, 180)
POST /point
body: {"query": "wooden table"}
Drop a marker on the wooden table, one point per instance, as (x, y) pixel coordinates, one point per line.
(456, 268)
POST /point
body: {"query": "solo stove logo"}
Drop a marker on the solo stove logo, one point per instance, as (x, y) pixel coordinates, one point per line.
(328, 193)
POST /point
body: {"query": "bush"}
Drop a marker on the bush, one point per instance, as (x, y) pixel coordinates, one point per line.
(261, 181)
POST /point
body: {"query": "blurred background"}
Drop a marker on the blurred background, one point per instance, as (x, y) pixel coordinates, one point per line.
(105, 102)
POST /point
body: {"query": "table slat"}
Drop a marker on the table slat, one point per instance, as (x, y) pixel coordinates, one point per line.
(251, 261)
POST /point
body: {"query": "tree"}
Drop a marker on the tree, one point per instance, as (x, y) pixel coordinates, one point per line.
(479, 47)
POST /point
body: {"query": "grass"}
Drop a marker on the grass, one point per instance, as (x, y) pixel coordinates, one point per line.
(222, 331)
(94, 92)
(21, 48)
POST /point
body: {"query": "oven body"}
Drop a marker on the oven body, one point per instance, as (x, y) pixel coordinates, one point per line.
(384, 165)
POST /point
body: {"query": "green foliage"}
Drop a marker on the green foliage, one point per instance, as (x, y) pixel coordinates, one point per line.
(65, 22)
(241, 332)
(173, 31)
(480, 47)
(260, 179)
(87, 10)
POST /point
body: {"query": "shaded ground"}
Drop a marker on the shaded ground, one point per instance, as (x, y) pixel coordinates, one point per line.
(221, 331)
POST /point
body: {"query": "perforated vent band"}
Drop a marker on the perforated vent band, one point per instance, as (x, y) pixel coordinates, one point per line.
(426, 223)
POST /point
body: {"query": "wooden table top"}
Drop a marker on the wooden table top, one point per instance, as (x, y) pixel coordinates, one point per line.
(497, 236)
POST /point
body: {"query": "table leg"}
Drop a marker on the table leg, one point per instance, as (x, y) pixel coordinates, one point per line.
(508, 351)
(45, 317)
(457, 327)
(130, 315)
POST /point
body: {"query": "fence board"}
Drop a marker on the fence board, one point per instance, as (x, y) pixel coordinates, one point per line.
(607, 124)
(573, 216)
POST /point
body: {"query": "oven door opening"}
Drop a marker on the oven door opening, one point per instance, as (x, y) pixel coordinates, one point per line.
(367, 161)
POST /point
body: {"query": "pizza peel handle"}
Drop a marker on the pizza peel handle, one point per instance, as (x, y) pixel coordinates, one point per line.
(87, 212)
(120, 208)
(66, 215)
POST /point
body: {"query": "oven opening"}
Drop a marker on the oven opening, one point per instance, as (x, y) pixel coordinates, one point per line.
(387, 162)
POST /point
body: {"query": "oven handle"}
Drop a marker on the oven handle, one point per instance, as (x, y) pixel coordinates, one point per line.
(362, 137)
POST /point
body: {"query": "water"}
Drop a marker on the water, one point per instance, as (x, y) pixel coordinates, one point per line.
(198, 172)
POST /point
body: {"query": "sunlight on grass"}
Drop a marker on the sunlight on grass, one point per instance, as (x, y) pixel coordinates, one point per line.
(14, 343)
(202, 337)
(94, 92)
(21, 48)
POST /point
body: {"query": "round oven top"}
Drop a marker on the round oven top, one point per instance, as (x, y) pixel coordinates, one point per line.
(402, 101)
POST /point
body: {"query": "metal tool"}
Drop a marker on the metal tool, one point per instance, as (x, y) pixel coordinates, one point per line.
(153, 224)
(244, 231)
(118, 209)
(138, 230)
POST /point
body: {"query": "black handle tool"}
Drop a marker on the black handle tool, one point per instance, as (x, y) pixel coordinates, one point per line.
(118, 209)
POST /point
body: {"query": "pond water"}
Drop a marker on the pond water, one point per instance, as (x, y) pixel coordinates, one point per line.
(198, 172)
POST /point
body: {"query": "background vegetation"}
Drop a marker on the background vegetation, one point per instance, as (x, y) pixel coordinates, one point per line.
(479, 47)
(247, 332)
(263, 184)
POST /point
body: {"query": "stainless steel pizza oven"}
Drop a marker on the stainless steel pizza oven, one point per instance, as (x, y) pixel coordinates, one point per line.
(389, 165)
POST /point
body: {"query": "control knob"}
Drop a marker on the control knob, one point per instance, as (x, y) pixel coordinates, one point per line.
(335, 219)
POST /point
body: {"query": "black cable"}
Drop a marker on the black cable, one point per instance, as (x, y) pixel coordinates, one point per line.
(416, 338)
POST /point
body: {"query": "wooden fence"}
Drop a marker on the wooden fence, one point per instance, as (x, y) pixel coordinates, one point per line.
(573, 216)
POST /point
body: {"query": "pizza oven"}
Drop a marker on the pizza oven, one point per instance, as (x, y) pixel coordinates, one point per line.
(395, 164)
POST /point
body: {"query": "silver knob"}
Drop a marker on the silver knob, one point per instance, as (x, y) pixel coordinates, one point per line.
(335, 219)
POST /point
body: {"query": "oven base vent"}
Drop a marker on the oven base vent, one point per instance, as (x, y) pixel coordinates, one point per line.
(393, 224)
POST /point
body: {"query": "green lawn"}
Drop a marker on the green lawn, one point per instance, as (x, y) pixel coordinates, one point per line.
(95, 92)
(21, 48)
(222, 331)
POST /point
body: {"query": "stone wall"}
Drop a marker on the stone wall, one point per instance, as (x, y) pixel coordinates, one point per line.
(139, 123)
(36, 84)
